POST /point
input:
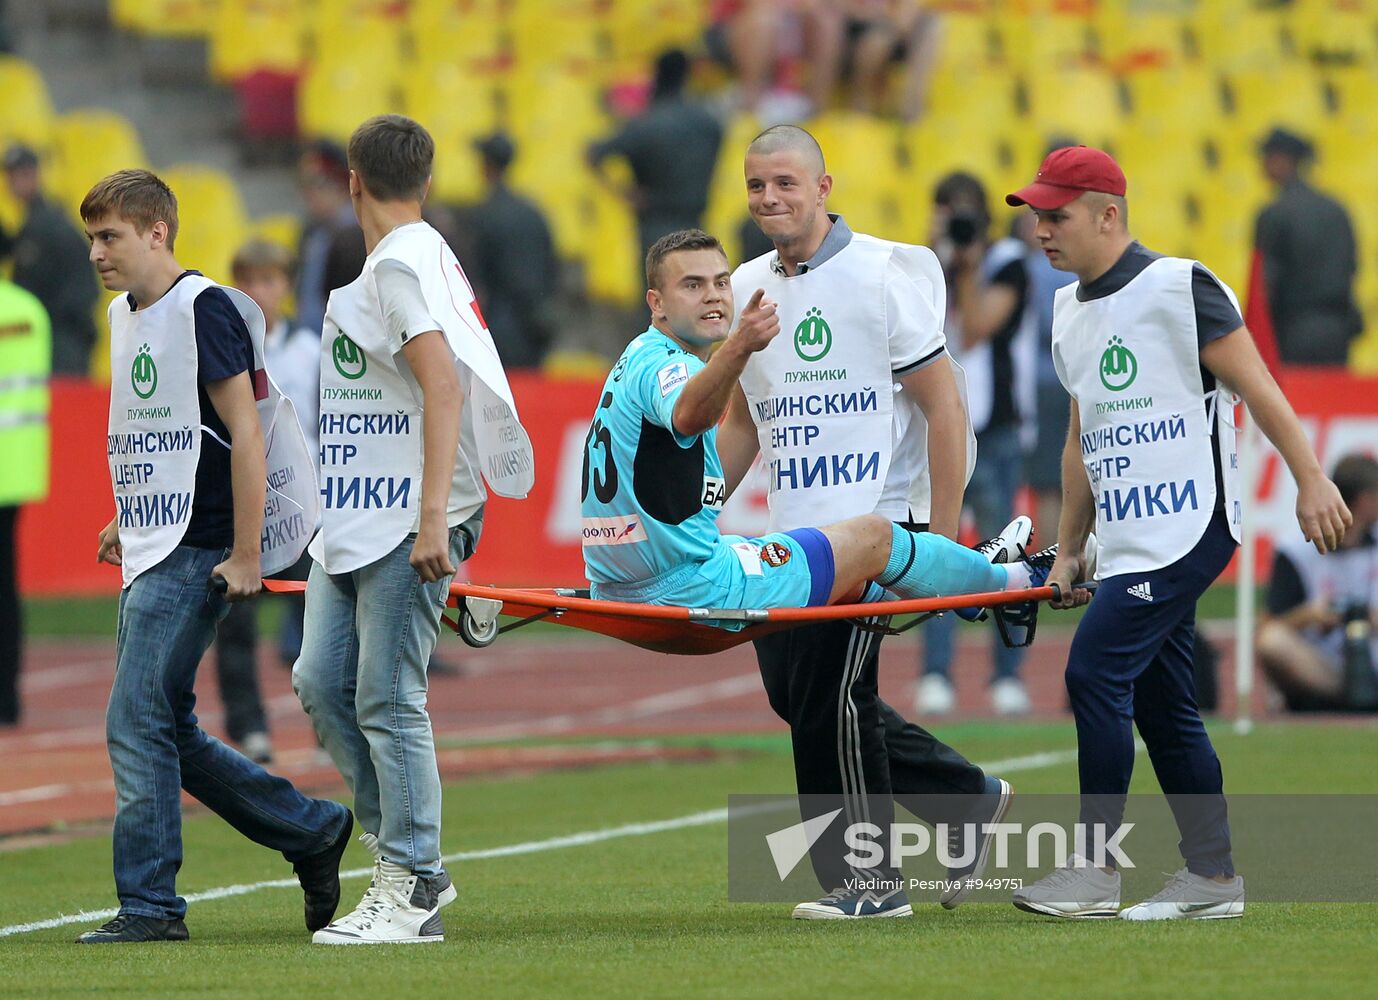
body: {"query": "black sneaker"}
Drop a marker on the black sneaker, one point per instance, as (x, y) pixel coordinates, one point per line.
(130, 928)
(319, 876)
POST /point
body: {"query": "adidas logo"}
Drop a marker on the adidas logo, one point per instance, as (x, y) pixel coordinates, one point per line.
(1141, 591)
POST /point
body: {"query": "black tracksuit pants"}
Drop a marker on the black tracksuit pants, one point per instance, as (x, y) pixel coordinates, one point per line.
(852, 750)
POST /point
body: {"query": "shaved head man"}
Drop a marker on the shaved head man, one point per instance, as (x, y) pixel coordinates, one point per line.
(857, 409)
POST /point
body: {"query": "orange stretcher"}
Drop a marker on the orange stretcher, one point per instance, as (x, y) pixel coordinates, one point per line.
(681, 630)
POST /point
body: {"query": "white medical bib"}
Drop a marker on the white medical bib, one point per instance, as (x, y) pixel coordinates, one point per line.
(370, 423)
(1132, 362)
(154, 441)
(828, 413)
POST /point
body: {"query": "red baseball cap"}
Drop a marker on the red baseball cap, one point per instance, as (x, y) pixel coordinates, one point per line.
(1066, 174)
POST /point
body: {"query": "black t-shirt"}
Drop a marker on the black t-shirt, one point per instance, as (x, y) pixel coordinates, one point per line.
(223, 350)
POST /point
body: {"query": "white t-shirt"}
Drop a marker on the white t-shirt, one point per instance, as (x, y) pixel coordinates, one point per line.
(405, 315)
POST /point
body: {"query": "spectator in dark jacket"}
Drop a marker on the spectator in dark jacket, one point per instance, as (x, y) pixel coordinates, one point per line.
(1307, 243)
(50, 262)
(672, 148)
(512, 262)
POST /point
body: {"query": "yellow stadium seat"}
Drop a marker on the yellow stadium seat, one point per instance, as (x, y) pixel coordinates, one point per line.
(558, 37)
(727, 191)
(1081, 101)
(250, 35)
(1346, 163)
(1289, 95)
(457, 106)
(1039, 42)
(968, 43)
(1239, 34)
(170, 18)
(89, 144)
(28, 113)
(1355, 90)
(1175, 100)
(987, 96)
(211, 219)
(639, 30)
(611, 249)
(1335, 31)
(284, 229)
(1130, 36)
(337, 94)
(443, 31)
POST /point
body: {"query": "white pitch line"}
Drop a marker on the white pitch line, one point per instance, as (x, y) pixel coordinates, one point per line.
(709, 817)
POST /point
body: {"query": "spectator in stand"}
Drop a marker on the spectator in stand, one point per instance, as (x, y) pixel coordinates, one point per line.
(764, 42)
(331, 252)
(1316, 640)
(50, 261)
(992, 333)
(885, 33)
(1307, 244)
(672, 148)
(512, 262)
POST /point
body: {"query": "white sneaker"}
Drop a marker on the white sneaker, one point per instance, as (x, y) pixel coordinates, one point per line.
(1077, 891)
(445, 891)
(935, 695)
(399, 907)
(1008, 697)
(1010, 544)
(1188, 896)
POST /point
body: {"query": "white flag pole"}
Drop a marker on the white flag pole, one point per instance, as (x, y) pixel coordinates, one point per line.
(1245, 580)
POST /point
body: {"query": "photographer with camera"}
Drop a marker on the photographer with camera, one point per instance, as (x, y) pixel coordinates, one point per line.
(992, 332)
(1316, 642)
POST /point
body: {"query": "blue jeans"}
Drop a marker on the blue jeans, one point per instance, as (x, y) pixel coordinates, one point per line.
(362, 679)
(167, 619)
(990, 495)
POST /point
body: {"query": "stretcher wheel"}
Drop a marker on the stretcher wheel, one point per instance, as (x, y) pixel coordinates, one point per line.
(478, 621)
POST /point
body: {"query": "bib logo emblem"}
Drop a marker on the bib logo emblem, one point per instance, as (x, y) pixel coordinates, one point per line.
(813, 338)
(143, 374)
(349, 360)
(1118, 366)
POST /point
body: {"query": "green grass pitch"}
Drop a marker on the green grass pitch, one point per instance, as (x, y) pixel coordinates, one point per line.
(648, 916)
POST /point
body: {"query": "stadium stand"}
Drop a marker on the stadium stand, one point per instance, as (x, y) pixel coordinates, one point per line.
(1180, 90)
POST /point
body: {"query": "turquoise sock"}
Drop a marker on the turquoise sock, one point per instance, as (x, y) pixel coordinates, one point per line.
(927, 565)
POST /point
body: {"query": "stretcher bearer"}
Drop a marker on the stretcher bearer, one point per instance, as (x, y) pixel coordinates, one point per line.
(211, 476)
(416, 414)
(856, 409)
(1155, 356)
